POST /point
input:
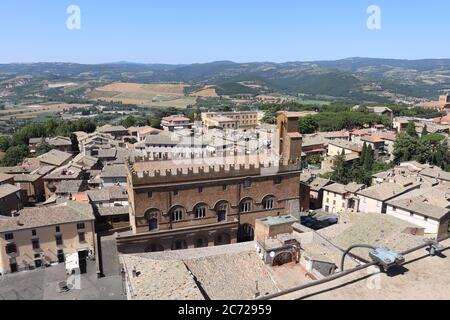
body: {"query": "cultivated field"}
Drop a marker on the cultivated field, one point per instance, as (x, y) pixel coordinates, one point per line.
(207, 92)
(151, 95)
(33, 111)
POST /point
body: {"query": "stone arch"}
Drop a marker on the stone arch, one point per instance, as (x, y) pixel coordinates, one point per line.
(282, 258)
(152, 213)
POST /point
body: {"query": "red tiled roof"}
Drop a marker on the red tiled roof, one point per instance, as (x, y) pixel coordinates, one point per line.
(170, 119)
(360, 133)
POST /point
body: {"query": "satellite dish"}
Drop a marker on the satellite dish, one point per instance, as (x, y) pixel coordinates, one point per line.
(272, 254)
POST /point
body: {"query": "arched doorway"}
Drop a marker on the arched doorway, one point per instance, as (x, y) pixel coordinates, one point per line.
(246, 233)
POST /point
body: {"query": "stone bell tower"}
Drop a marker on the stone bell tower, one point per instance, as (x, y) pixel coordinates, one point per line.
(289, 136)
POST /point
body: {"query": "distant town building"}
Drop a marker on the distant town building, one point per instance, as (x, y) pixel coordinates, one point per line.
(118, 132)
(177, 122)
(230, 120)
(382, 111)
(11, 199)
(55, 158)
(336, 147)
(59, 143)
(111, 207)
(33, 184)
(441, 105)
(114, 175)
(61, 175)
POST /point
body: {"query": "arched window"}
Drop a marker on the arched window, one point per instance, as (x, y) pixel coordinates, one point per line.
(222, 211)
(200, 211)
(246, 206)
(152, 219)
(177, 214)
(268, 203)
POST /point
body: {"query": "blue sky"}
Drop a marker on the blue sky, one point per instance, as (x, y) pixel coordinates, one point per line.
(183, 31)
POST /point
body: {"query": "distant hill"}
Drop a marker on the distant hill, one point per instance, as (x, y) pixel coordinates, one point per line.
(358, 78)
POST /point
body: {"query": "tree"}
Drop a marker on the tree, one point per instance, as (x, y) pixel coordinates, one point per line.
(340, 170)
(5, 143)
(154, 122)
(14, 155)
(411, 129)
(441, 157)
(405, 148)
(357, 172)
(308, 125)
(368, 160)
(424, 131)
(362, 159)
(130, 121)
(75, 143)
(314, 159)
(85, 125)
(43, 148)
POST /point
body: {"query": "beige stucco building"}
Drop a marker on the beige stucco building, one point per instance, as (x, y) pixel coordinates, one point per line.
(231, 120)
(39, 237)
(338, 198)
(375, 198)
(336, 147)
(427, 208)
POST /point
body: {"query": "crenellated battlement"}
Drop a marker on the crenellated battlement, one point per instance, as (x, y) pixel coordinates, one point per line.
(152, 172)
